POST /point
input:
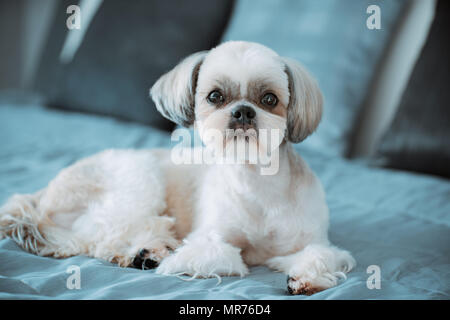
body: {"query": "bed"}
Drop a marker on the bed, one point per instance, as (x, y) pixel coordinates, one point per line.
(397, 221)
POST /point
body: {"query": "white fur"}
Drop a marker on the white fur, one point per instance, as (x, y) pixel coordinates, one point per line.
(219, 219)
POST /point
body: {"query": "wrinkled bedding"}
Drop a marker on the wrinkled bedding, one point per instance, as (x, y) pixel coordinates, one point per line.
(398, 221)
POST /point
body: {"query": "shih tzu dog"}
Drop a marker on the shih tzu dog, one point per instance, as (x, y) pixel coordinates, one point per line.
(138, 208)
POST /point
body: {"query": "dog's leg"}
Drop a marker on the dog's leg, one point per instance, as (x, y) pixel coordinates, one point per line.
(147, 243)
(124, 214)
(107, 206)
(204, 256)
(315, 268)
(20, 218)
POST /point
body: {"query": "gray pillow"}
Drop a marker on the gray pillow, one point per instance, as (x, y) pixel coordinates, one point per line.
(331, 39)
(419, 137)
(127, 46)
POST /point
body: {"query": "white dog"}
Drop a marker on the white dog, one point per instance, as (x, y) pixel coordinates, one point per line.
(134, 207)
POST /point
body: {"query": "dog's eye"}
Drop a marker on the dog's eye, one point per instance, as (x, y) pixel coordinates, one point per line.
(269, 100)
(215, 97)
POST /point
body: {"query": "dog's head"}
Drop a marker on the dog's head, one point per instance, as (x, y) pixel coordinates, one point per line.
(240, 86)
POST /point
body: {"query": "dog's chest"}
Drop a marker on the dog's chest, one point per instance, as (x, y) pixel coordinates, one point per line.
(264, 239)
(268, 230)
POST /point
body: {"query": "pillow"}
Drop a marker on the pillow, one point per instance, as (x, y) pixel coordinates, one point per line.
(127, 46)
(419, 137)
(331, 38)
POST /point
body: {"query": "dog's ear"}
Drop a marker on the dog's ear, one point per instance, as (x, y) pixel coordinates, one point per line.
(174, 92)
(305, 102)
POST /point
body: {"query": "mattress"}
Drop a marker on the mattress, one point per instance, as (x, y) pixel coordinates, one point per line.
(396, 221)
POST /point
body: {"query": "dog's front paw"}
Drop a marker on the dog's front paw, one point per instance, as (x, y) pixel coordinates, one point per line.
(206, 260)
(149, 259)
(299, 285)
(143, 261)
(314, 278)
(317, 268)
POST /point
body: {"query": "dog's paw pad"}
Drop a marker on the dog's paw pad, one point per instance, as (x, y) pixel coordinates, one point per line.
(144, 261)
(143, 253)
(150, 264)
(299, 287)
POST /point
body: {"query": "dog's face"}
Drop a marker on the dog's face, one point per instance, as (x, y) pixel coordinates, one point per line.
(240, 88)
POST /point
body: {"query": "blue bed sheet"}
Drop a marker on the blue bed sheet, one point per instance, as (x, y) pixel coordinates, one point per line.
(398, 221)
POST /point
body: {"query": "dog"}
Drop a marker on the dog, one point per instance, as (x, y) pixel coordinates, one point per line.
(137, 208)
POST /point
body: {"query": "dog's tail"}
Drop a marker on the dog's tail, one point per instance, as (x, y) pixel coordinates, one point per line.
(20, 219)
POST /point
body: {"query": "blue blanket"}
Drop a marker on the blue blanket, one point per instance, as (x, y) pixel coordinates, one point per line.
(395, 220)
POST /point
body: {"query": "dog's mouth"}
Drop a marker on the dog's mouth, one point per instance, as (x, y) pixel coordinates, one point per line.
(241, 126)
(245, 132)
(241, 129)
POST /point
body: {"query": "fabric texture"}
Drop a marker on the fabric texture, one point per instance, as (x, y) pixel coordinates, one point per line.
(127, 46)
(331, 38)
(398, 221)
(419, 137)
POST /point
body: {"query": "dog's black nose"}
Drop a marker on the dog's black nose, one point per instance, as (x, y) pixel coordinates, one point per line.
(243, 114)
